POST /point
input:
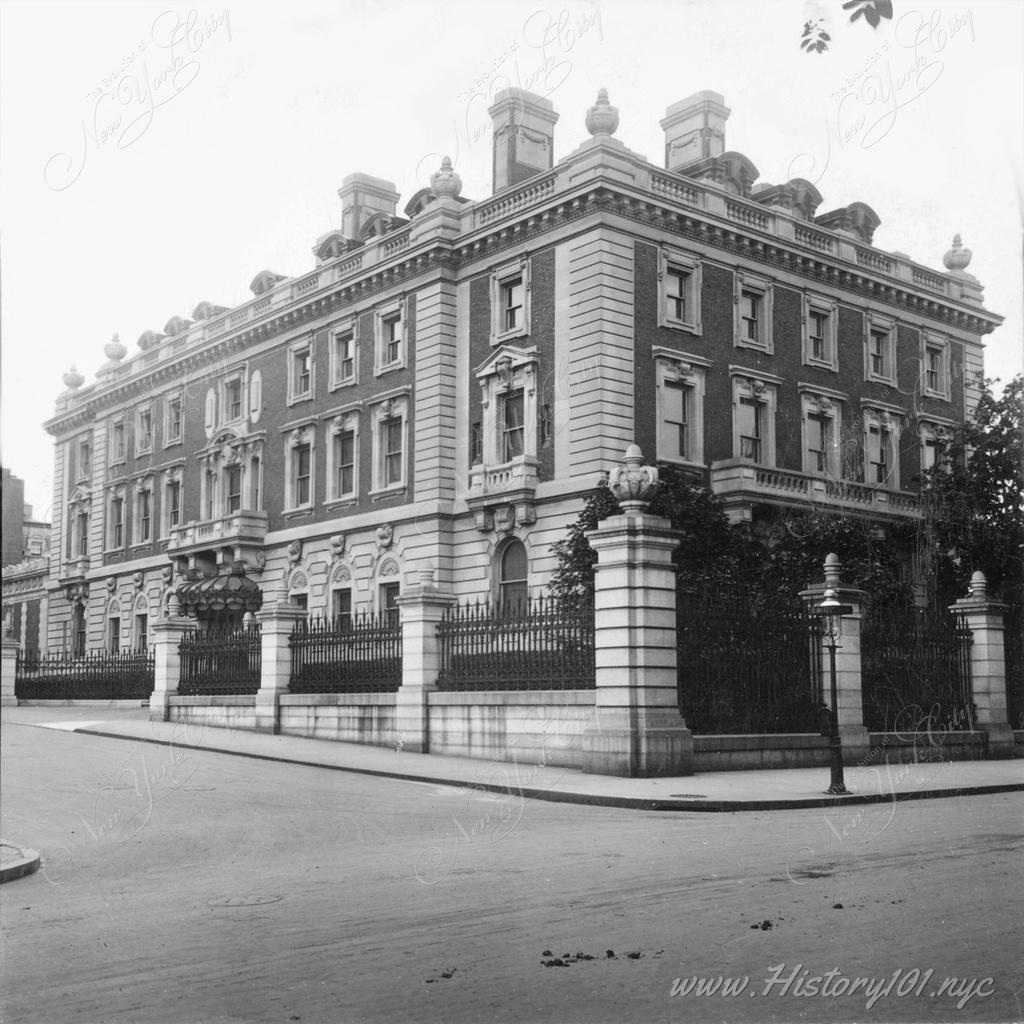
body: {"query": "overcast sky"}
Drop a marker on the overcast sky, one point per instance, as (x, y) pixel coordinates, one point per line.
(154, 155)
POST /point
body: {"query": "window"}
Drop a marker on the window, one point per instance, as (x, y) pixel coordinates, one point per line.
(935, 366)
(512, 425)
(78, 630)
(145, 521)
(233, 488)
(233, 398)
(341, 607)
(389, 328)
(173, 499)
(753, 299)
(389, 443)
(210, 483)
(880, 348)
(679, 277)
(881, 448)
(507, 431)
(345, 468)
(820, 332)
(754, 405)
(255, 482)
(114, 634)
(84, 466)
(392, 433)
(300, 601)
(172, 419)
(144, 429)
(116, 522)
(300, 372)
(388, 595)
(301, 468)
(299, 459)
(935, 438)
(343, 357)
(822, 427)
(117, 449)
(82, 534)
(680, 406)
(513, 294)
(513, 592)
(142, 633)
(510, 300)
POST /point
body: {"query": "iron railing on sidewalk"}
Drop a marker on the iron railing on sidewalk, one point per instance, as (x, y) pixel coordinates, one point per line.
(359, 653)
(916, 671)
(539, 644)
(94, 676)
(220, 661)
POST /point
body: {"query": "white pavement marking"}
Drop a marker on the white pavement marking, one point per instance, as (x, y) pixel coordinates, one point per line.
(68, 726)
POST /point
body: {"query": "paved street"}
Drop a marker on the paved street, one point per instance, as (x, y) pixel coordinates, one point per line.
(182, 885)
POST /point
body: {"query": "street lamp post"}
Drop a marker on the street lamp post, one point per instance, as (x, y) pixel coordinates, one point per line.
(831, 613)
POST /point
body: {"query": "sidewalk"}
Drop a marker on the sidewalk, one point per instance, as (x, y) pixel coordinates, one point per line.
(714, 791)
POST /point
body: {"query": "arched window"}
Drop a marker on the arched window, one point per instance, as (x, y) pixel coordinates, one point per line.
(512, 574)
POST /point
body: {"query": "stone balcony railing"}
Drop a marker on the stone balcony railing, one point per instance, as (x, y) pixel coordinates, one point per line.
(508, 479)
(74, 568)
(743, 484)
(242, 532)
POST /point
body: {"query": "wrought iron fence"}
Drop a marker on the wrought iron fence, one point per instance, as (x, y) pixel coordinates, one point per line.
(915, 670)
(748, 665)
(540, 644)
(351, 654)
(94, 676)
(220, 661)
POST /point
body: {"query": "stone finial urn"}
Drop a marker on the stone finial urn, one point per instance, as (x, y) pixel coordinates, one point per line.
(445, 182)
(114, 350)
(958, 257)
(73, 379)
(602, 117)
(633, 483)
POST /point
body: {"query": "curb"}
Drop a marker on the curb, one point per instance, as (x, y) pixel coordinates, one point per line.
(591, 799)
(23, 865)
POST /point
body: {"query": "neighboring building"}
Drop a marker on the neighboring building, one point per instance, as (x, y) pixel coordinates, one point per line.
(442, 389)
(13, 497)
(26, 545)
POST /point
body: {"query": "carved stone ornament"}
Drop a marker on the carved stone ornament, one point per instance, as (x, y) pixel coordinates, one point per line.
(167, 574)
(385, 535)
(111, 584)
(295, 552)
(957, 258)
(114, 350)
(138, 580)
(633, 483)
(504, 518)
(504, 370)
(73, 379)
(602, 117)
(337, 543)
(445, 182)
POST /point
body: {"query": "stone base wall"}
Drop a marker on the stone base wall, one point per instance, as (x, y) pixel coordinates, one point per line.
(231, 712)
(529, 727)
(350, 717)
(745, 753)
(905, 748)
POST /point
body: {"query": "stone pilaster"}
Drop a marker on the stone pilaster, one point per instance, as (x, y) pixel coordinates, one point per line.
(277, 623)
(423, 606)
(8, 668)
(854, 734)
(167, 636)
(984, 618)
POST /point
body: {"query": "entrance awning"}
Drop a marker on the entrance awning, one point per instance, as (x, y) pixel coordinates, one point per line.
(232, 591)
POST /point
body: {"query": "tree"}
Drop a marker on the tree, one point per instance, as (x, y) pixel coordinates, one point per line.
(974, 500)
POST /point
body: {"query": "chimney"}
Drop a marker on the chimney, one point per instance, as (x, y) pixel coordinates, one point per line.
(362, 196)
(524, 136)
(694, 129)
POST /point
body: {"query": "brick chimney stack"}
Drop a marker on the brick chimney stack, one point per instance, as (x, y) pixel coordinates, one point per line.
(694, 129)
(524, 136)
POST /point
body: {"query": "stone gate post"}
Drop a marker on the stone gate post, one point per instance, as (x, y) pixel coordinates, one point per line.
(984, 618)
(167, 636)
(855, 736)
(423, 606)
(638, 730)
(9, 668)
(277, 622)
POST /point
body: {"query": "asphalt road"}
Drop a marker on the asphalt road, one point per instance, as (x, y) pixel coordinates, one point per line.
(181, 886)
